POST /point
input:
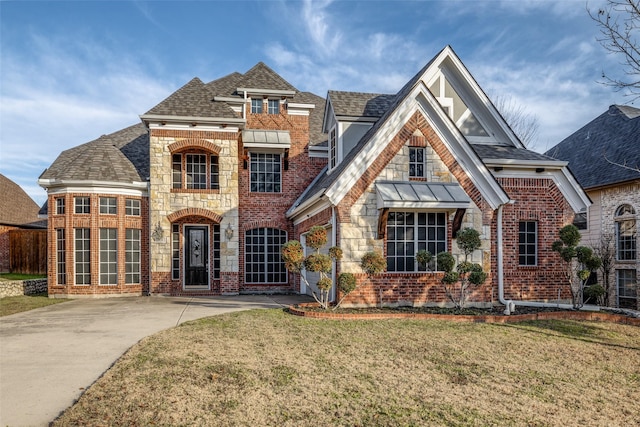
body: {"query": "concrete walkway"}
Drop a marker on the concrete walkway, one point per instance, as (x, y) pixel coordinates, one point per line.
(48, 356)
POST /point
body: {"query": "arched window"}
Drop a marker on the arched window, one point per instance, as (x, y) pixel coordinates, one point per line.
(262, 260)
(626, 233)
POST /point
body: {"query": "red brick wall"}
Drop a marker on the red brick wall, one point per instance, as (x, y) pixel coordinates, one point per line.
(536, 200)
(94, 221)
(269, 209)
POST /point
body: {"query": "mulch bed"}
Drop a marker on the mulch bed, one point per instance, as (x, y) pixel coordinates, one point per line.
(473, 315)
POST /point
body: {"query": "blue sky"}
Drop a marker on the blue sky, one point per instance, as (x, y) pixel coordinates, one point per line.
(72, 71)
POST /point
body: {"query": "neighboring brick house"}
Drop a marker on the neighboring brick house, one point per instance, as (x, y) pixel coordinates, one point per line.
(222, 174)
(604, 156)
(17, 212)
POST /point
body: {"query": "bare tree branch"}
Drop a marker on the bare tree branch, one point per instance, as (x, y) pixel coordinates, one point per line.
(619, 23)
(622, 165)
(524, 124)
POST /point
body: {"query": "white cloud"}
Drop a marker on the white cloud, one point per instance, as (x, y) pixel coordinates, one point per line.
(62, 94)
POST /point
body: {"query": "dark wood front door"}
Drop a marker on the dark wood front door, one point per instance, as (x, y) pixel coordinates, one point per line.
(196, 257)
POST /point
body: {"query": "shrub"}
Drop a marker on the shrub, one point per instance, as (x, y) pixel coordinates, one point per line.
(373, 263)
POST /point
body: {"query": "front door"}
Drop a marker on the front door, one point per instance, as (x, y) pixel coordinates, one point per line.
(196, 257)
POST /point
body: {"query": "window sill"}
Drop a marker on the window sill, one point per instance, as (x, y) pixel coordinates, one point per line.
(195, 191)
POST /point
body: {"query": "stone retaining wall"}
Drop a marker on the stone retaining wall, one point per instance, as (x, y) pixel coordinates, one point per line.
(12, 288)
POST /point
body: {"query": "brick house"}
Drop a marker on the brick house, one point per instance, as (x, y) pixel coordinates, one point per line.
(199, 197)
(604, 156)
(18, 216)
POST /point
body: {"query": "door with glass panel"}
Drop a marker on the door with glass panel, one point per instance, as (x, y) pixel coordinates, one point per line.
(196, 257)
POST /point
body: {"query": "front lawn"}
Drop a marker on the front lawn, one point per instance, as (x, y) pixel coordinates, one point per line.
(17, 304)
(265, 367)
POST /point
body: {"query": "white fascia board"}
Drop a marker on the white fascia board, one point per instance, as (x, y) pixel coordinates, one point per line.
(229, 99)
(295, 211)
(553, 164)
(201, 122)
(328, 109)
(272, 146)
(302, 106)
(311, 210)
(566, 183)
(257, 91)
(356, 119)
(94, 187)
(198, 127)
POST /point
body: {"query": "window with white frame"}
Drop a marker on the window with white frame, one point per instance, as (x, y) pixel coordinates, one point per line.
(528, 243)
(416, 162)
(132, 207)
(256, 106)
(108, 256)
(108, 205)
(132, 256)
(61, 257)
(273, 106)
(175, 252)
(82, 205)
(60, 206)
(410, 232)
(265, 173)
(626, 233)
(82, 255)
(262, 260)
(198, 172)
(627, 289)
(333, 149)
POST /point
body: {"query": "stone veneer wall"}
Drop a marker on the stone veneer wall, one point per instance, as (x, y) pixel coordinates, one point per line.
(164, 201)
(12, 288)
(602, 221)
(358, 235)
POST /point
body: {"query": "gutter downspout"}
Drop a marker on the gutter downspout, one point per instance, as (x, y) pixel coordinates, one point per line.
(510, 304)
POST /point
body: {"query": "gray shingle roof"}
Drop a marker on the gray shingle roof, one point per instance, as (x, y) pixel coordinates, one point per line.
(263, 77)
(612, 137)
(122, 156)
(17, 208)
(495, 152)
(358, 104)
(194, 99)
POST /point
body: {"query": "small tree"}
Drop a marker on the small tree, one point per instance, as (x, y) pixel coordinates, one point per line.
(579, 262)
(605, 250)
(457, 284)
(295, 261)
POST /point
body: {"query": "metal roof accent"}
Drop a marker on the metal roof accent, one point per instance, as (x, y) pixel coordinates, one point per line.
(421, 195)
(266, 138)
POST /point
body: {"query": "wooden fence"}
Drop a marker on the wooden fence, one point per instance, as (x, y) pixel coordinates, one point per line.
(28, 251)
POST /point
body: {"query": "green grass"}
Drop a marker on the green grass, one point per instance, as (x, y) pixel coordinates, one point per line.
(265, 367)
(20, 276)
(18, 304)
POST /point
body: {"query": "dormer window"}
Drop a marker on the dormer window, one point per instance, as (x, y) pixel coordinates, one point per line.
(333, 149)
(273, 106)
(256, 106)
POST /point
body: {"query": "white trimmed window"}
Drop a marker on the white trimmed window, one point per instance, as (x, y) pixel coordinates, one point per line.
(333, 149)
(82, 256)
(265, 173)
(199, 171)
(273, 106)
(108, 205)
(82, 205)
(528, 243)
(108, 256)
(60, 206)
(132, 256)
(132, 207)
(627, 289)
(262, 260)
(256, 106)
(61, 257)
(416, 162)
(626, 233)
(175, 252)
(410, 232)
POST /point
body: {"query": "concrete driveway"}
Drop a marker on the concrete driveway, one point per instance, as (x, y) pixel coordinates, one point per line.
(48, 356)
